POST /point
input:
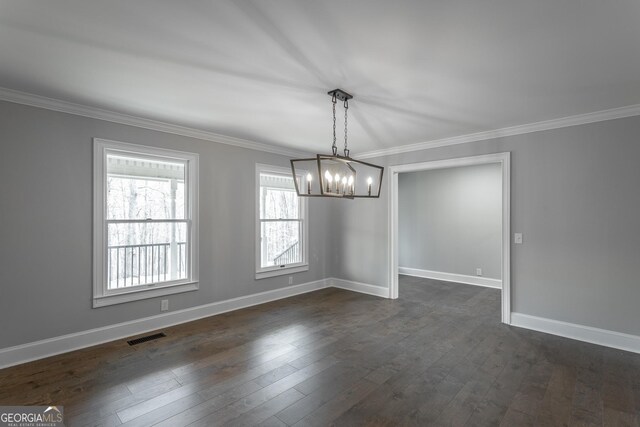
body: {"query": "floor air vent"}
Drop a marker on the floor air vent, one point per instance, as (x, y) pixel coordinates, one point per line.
(147, 338)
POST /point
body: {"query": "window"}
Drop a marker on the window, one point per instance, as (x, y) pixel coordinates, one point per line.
(145, 222)
(281, 229)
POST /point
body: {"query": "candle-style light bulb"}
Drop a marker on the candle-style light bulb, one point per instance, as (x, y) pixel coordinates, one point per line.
(309, 177)
(329, 178)
(344, 185)
(369, 181)
(350, 182)
(337, 183)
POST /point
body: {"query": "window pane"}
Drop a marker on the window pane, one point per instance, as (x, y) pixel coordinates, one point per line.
(143, 253)
(278, 198)
(138, 188)
(280, 243)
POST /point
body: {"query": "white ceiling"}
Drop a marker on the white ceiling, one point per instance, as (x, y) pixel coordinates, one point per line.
(260, 70)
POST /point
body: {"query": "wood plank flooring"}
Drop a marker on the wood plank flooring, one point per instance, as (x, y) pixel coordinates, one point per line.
(436, 356)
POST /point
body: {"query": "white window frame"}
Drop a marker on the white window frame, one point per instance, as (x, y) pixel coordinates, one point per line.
(102, 296)
(264, 272)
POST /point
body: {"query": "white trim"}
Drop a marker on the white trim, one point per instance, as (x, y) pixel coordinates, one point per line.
(39, 101)
(506, 238)
(24, 98)
(504, 160)
(574, 331)
(103, 297)
(580, 119)
(282, 271)
(363, 288)
(452, 277)
(66, 343)
(392, 229)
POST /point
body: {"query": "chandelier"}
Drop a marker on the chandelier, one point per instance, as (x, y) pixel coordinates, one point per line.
(337, 175)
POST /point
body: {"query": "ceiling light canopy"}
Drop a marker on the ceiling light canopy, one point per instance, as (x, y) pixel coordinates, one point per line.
(333, 175)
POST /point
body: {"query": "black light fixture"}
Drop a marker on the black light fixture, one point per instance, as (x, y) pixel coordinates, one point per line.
(333, 175)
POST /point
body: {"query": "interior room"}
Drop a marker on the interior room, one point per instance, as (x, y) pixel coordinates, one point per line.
(450, 224)
(286, 213)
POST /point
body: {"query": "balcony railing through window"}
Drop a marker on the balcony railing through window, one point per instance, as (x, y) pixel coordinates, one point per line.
(290, 255)
(145, 264)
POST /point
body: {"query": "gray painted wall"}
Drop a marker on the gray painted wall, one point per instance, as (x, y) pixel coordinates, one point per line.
(574, 196)
(46, 220)
(450, 220)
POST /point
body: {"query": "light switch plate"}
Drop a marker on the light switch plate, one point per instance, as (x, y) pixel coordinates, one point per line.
(517, 238)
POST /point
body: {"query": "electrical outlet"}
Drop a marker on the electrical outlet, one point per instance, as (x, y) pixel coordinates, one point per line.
(478, 272)
(164, 305)
(291, 280)
(517, 238)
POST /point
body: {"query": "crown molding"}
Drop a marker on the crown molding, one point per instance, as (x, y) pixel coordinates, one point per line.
(581, 119)
(39, 101)
(33, 100)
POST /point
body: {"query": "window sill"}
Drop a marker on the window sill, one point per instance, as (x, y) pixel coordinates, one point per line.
(140, 294)
(282, 271)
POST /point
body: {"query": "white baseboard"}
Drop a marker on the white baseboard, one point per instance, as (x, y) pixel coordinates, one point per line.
(49, 347)
(363, 288)
(578, 332)
(452, 277)
(65, 343)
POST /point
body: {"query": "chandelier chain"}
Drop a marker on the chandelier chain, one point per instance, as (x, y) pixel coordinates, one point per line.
(346, 108)
(334, 148)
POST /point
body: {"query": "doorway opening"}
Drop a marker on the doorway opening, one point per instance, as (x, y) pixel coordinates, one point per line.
(502, 159)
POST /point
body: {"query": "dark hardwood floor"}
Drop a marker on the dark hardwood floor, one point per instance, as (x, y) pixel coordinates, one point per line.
(437, 356)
